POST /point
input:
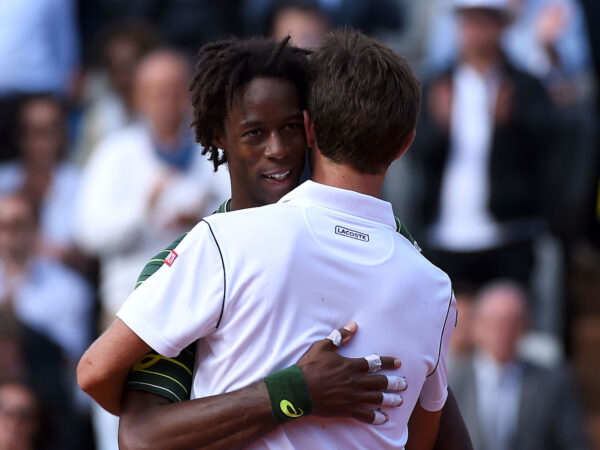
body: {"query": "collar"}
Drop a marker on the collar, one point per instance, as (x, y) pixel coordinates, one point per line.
(343, 200)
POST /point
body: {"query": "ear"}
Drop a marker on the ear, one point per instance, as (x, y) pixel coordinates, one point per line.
(309, 130)
(407, 144)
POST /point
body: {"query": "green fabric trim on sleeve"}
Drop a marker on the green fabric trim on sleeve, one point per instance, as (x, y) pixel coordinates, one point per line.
(403, 230)
(157, 261)
(168, 377)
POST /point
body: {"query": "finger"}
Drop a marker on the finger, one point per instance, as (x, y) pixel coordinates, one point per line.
(379, 417)
(335, 337)
(343, 335)
(383, 383)
(396, 383)
(367, 415)
(388, 399)
(390, 363)
(373, 362)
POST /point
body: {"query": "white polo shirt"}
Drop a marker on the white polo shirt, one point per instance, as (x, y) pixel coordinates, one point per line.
(258, 286)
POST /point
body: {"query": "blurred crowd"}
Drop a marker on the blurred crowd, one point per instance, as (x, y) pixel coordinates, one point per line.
(99, 171)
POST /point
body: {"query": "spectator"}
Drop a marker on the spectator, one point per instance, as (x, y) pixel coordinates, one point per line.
(485, 148)
(28, 355)
(39, 53)
(53, 308)
(146, 184)
(110, 106)
(508, 403)
(42, 175)
(369, 16)
(305, 22)
(43, 294)
(24, 421)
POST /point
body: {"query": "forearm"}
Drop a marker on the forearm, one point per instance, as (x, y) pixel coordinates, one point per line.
(231, 420)
(422, 428)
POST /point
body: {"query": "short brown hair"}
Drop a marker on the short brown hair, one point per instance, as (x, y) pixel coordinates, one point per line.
(364, 101)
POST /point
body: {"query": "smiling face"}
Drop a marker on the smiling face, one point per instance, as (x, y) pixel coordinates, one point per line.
(264, 142)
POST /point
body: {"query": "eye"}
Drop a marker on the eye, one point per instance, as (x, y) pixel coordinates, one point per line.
(293, 126)
(252, 133)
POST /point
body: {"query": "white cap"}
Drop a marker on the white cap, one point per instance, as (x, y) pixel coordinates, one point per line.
(500, 5)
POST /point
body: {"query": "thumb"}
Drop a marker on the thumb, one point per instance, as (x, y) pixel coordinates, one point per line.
(348, 332)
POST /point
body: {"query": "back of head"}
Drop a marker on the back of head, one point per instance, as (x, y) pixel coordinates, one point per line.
(364, 101)
(226, 67)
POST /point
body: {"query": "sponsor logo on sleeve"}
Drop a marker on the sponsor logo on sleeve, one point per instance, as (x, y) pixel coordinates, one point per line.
(171, 257)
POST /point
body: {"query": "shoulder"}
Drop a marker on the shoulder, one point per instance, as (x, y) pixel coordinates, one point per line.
(128, 138)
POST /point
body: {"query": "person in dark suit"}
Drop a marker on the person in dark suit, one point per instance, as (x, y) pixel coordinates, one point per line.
(485, 149)
(507, 402)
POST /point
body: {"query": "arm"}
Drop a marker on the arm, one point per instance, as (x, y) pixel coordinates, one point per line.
(423, 428)
(338, 386)
(103, 368)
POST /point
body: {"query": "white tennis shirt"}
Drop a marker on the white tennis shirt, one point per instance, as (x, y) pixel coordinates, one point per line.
(258, 286)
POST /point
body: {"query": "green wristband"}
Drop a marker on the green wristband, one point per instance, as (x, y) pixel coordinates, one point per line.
(289, 394)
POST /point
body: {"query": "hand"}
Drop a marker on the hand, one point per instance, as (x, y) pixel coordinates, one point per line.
(342, 387)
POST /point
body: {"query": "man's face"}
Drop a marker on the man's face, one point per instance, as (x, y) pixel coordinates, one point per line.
(17, 228)
(264, 142)
(18, 417)
(499, 322)
(480, 30)
(42, 133)
(161, 91)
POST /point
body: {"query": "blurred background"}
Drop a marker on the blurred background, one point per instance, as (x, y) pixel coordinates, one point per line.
(99, 172)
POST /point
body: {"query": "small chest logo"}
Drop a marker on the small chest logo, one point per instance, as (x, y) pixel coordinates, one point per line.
(171, 257)
(351, 233)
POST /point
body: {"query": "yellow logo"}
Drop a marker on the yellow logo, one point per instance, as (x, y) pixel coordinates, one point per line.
(290, 410)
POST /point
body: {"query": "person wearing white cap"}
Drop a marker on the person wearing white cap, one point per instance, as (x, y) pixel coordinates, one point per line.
(486, 142)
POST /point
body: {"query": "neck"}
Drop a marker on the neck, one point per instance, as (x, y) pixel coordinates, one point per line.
(166, 133)
(483, 62)
(345, 177)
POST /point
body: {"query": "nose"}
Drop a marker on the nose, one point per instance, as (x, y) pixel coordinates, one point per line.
(276, 147)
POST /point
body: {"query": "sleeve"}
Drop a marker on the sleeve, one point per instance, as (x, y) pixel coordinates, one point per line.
(435, 389)
(183, 301)
(168, 377)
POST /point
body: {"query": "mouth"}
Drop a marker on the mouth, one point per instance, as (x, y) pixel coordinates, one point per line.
(278, 176)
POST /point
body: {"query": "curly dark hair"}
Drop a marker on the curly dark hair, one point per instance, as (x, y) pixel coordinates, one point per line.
(225, 68)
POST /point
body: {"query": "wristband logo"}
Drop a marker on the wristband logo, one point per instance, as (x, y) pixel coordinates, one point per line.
(290, 410)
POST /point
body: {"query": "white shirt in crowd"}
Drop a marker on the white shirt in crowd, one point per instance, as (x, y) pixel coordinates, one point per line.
(113, 217)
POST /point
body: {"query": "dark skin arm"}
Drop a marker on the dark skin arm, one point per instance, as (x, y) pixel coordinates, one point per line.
(339, 387)
(452, 431)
